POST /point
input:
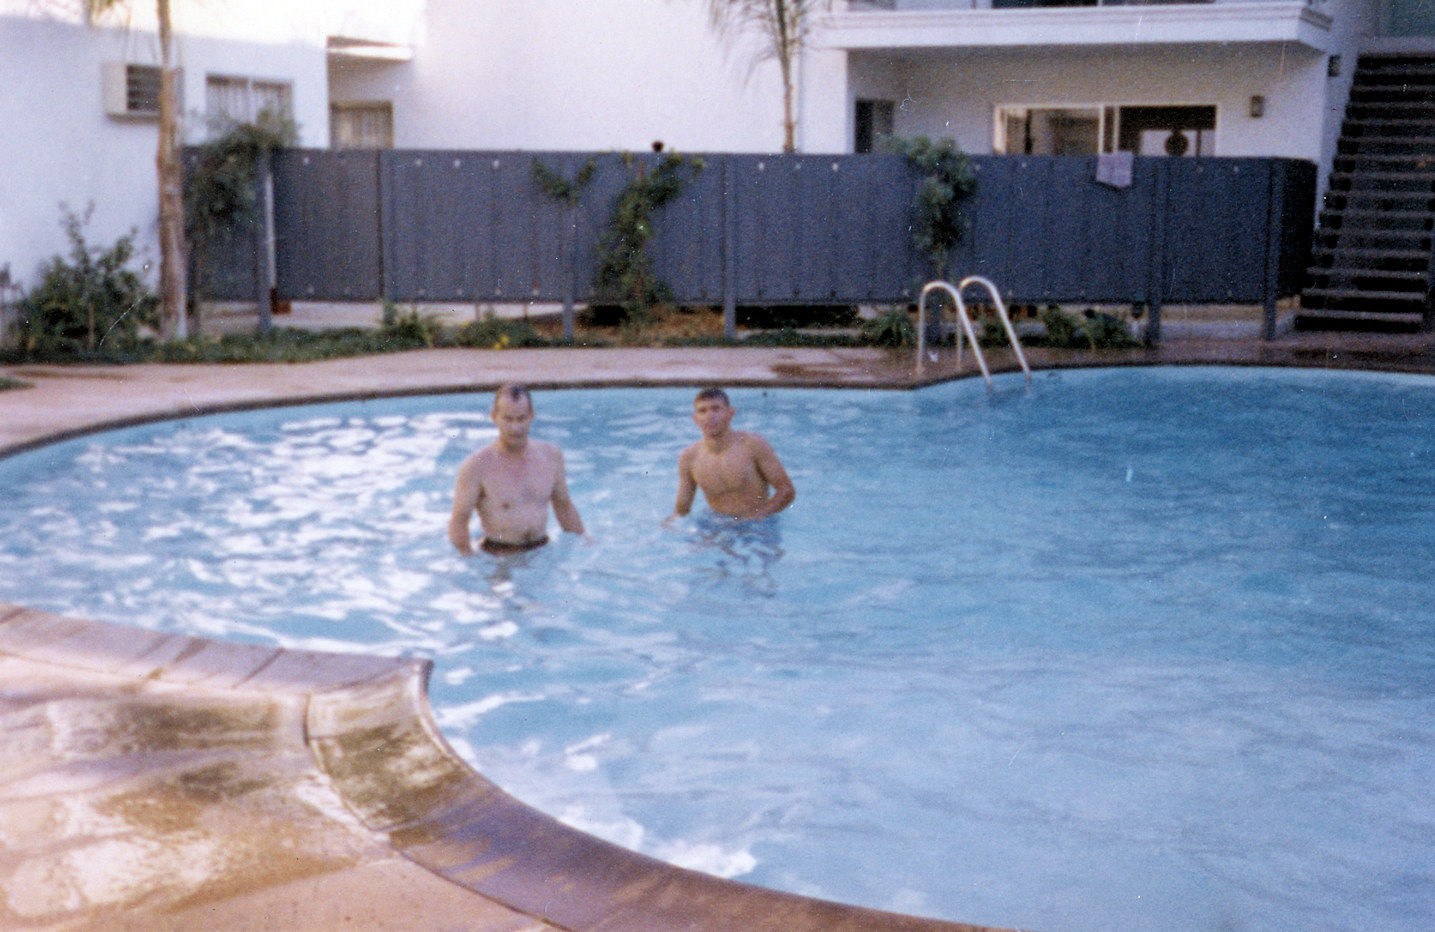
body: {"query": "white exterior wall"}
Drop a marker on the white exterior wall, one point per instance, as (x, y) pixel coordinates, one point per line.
(61, 146)
(957, 96)
(553, 75)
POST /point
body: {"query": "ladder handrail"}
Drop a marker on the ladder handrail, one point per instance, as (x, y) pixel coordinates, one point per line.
(1001, 313)
(965, 321)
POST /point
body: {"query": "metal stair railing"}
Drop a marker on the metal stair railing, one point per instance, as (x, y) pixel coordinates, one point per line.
(964, 321)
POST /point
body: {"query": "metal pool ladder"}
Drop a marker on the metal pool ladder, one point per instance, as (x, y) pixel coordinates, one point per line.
(964, 321)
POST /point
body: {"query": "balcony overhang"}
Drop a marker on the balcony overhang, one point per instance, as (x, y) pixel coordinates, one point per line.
(368, 50)
(1259, 21)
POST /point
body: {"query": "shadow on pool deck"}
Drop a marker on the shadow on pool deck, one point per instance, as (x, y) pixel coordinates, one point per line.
(153, 781)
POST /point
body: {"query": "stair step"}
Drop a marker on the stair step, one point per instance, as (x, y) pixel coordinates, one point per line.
(1414, 105)
(1398, 64)
(1352, 314)
(1402, 299)
(1413, 240)
(1336, 319)
(1386, 277)
(1398, 162)
(1412, 246)
(1411, 78)
(1366, 252)
(1419, 176)
(1365, 215)
(1381, 201)
(1416, 142)
(1353, 128)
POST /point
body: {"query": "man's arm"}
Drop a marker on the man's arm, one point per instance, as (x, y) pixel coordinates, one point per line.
(466, 491)
(687, 486)
(563, 507)
(773, 473)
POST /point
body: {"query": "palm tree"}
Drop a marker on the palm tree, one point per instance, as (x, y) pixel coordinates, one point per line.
(171, 174)
(785, 26)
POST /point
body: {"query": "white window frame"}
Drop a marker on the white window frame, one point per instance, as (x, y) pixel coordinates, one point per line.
(231, 99)
(365, 138)
(1108, 130)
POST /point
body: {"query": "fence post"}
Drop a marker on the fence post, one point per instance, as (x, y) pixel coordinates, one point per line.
(569, 245)
(265, 284)
(1158, 272)
(1275, 245)
(729, 246)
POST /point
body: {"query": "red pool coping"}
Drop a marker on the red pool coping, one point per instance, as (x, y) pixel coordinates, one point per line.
(367, 727)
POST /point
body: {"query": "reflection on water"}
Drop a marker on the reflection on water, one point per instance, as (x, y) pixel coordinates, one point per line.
(741, 551)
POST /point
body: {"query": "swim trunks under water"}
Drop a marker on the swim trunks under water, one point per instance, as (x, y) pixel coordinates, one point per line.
(501, 546)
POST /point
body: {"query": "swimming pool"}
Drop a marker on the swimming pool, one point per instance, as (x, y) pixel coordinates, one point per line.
(1133, 649)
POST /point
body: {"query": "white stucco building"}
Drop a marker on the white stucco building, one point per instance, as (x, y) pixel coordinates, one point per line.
(1228, 77)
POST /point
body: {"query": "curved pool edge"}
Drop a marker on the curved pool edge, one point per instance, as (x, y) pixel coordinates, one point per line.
(366, 728)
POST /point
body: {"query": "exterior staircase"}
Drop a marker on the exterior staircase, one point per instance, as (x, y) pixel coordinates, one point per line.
(1373, 256)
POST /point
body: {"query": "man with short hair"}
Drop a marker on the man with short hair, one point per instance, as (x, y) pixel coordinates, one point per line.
(511, 483)
(738, 471)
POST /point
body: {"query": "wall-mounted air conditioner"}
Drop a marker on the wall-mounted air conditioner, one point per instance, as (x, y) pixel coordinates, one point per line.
(132, 90)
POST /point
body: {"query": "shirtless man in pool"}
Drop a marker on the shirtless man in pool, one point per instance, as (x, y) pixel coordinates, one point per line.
(738, 471)
(510, 483)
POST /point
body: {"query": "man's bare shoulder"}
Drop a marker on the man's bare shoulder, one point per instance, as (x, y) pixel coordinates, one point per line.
(478, 459)
(754, 443)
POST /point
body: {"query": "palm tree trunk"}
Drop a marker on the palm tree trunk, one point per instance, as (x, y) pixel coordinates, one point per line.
(784, 62)
(171, 190)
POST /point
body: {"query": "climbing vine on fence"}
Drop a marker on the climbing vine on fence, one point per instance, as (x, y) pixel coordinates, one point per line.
(625, 266)
(948, 180)
(568, 191)
(221, 187)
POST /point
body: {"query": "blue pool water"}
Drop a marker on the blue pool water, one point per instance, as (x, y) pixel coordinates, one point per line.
(1131, 649)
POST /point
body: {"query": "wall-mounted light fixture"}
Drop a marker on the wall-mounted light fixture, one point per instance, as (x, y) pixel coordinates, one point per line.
(1258, 106)
(1332, 66)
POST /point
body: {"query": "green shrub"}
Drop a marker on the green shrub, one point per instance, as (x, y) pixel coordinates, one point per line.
(1104, 331)
(1091, 330)
(89, 306)
(282, 344)
(948, 180)
(789, 337)
(892, 327)
(626, 274)
(409, 329)
(1062, 329)
(493, 333)
(993, 332)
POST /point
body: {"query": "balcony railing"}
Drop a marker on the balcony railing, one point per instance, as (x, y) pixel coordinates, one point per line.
(937, 6)
(949, 24)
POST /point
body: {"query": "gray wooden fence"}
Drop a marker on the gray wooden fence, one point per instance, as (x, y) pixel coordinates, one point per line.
(754, 230)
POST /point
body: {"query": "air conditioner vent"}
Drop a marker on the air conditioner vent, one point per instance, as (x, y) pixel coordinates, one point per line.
(132, 90)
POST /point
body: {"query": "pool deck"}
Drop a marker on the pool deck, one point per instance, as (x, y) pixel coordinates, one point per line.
(157, 781)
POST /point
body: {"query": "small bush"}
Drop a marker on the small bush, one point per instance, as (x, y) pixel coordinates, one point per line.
(1092, 330)
(790, 337)
(796, 316)
(1062, 329)
(493, 333)
(282, 344)
(1105, 331)
(408, 328)
(88, 306)
(893, 327)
